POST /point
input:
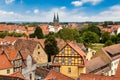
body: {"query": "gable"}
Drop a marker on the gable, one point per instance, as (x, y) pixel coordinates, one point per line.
(67, 51)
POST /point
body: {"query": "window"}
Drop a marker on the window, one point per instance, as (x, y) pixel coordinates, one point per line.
(63, 51)
(69, 60)
(8, 71)
(72, 51)
(63, 60)
(38, 47)
(57, 69)
(38, 52)
(30, 76)
(56, 60)
(69, 70)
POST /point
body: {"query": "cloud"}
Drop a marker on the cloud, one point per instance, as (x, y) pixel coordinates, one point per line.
(63, 7)
(74, 15)
(81, 2)
(77, 3)
(36, 11)
(9, 1)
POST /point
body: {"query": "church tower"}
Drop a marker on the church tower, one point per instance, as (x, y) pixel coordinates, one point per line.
(56, 20)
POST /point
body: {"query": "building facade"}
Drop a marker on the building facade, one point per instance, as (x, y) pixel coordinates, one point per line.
(70, 60)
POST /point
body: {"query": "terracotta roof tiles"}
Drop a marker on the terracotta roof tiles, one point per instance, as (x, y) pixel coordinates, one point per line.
(93, 65)
(113, 51)
(4, 62)
(18, 74)
(53, 75)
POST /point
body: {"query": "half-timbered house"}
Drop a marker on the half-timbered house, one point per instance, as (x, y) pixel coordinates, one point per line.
(70, 60)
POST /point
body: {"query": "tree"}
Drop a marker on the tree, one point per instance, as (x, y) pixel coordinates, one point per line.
(32, 35)
(51, 47)
(92, 28)
(38, 33)
(68, 34)
(105, 36)
(113, 38)
(90, 37)
(108, 43)
(118, 38)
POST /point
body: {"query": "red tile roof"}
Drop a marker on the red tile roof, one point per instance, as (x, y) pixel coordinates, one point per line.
(4, 62)
(10, 39)
(95, 77)
(18, 74)
(9, 77)
(30, 28)
(53, 75)
(11, 53)
(44, 28)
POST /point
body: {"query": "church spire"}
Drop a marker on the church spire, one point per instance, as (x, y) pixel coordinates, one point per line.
(54, 17)
(57, 17)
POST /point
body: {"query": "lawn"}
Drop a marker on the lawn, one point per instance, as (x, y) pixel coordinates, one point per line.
(97, 46)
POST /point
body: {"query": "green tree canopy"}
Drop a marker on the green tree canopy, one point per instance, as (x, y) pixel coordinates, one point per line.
(37, 33)
(105, 36)
(108, 43)
(92, 28)
(118, 38)
(113, 38)
(51, 47)
(90, 37)
(68, 34)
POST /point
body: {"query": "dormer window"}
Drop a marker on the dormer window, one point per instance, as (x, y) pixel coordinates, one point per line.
(38, 47)
(63, 51)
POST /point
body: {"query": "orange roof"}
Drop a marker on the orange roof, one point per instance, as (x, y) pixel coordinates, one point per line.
(4, 62)
(97, 77)
(1, 39)
(74, 25)
(11, 53)
(45, 29)
(22, 28)
(30, 28)
(11, 39)
(53, 75)
(9, 77)
(115, 27)
(18, 74)
(5, 27)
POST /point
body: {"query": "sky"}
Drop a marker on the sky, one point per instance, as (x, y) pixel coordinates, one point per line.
(68, 10)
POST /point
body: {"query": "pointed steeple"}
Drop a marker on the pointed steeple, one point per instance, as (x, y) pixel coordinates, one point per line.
(57, 17)
(54, 17)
